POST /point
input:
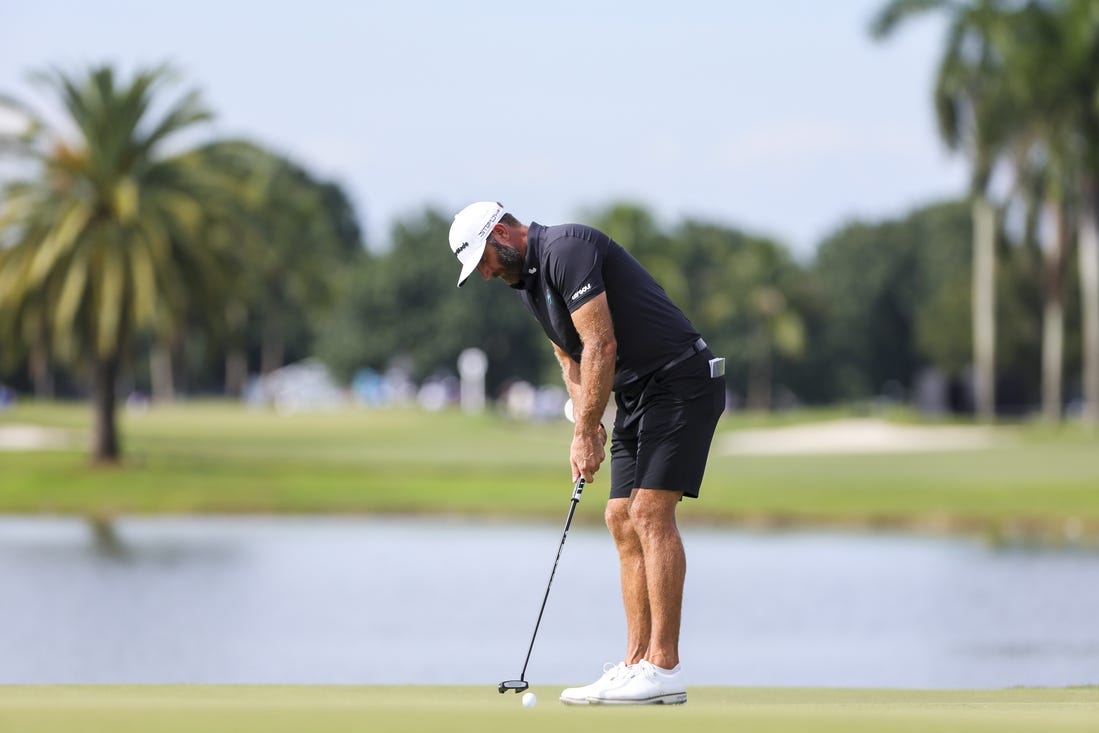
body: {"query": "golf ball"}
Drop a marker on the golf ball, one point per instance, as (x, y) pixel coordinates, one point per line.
(529, 699)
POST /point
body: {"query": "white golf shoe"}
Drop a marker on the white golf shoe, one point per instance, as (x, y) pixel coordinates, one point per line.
(644, 684)
(613, 675)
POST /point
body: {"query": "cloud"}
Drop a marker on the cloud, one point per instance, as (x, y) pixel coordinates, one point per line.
(11, 121)
(801, 142)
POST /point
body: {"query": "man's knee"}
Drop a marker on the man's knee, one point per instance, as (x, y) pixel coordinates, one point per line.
(617, 517)
(651, 509)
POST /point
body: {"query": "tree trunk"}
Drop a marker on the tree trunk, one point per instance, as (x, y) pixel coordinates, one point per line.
(273, 349)
(759, 380)
(1089, 296)
(160, 372)
(41, 376)
(105, 432)
(236, 372)
(1053, 317)
(236, 360)
(984, 307)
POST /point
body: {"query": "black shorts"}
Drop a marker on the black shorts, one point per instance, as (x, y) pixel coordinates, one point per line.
(663, 429)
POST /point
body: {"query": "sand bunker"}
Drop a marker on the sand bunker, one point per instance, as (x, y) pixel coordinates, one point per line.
(858, 435)
(14, 437)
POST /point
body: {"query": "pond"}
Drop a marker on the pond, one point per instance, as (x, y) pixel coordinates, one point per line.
(451, 601)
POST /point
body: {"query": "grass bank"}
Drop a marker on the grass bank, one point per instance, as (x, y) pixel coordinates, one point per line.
(273, 709)
(226, 458)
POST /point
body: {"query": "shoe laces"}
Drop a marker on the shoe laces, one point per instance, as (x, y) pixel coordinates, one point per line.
(615, 670)
(644, 669)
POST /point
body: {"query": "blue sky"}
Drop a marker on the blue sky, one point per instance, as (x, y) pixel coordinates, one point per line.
(781, 117)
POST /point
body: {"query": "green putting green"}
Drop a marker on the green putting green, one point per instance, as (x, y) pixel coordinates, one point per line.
(319, 709)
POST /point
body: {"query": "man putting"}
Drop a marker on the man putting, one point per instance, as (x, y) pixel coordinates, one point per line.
(613, 328)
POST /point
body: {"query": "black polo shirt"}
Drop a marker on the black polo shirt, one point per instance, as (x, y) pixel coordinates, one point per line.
(568, 265)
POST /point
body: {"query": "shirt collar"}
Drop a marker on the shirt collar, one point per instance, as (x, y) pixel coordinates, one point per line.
(531, 263)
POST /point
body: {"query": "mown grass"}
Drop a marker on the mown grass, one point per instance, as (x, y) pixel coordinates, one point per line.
(320, 709)
(221, 457)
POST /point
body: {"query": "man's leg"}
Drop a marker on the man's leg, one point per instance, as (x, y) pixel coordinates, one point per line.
(635, 591)
(652, 517)
(653, 590)
(635, 599)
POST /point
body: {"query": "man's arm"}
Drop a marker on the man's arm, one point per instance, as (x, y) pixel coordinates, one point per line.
(570, 373)
(589, 384)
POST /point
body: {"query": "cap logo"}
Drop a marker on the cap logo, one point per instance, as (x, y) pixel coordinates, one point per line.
(459, 250)
(488, 226)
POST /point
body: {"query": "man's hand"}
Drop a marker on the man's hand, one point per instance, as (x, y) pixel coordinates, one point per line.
(587, 454)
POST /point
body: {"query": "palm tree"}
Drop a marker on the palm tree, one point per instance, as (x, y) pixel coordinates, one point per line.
(106, 239)
(1043, 165)
(972, 113)
(291, 234)
(1053, 70)
(777, 328)
(1079, 64)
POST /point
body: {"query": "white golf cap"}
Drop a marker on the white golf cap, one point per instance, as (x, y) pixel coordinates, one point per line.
(470, 231)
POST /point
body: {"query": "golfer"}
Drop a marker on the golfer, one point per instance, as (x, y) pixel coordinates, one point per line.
(613, 328)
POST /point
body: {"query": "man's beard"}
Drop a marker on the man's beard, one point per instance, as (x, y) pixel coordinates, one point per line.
(511, 261)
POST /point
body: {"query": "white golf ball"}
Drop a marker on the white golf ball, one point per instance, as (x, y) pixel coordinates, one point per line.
(529, 699)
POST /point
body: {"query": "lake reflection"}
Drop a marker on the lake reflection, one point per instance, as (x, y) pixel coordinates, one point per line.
(386, 600)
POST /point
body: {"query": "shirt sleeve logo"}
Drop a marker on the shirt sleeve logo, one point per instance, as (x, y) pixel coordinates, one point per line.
(586, 287)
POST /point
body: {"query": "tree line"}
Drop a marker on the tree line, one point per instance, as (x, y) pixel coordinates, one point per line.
(1017, 92)
(125, 262)
(879, 307)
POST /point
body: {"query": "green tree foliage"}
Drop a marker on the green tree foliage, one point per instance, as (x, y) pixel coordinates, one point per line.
(738, 289)
(895, 295)
(975, 115)
(742, 291)
(1017, 86)
(106, 236)
(229, 256)
(225, 253)
(403, 306)
(293, 237)
(1055, 72)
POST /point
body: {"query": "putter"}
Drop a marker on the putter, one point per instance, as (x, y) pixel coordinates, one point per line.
(521, 684)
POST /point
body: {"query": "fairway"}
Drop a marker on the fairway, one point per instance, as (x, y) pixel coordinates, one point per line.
(222, 457)
(271, 709)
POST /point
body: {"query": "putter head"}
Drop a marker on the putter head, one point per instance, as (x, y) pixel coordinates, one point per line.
(517, 685)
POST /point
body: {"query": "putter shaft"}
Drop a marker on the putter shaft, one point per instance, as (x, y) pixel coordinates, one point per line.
(577, 490)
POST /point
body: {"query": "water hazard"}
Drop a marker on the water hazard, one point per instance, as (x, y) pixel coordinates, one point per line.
(433, 601)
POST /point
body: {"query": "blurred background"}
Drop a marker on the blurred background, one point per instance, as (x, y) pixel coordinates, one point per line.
(224, 289)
